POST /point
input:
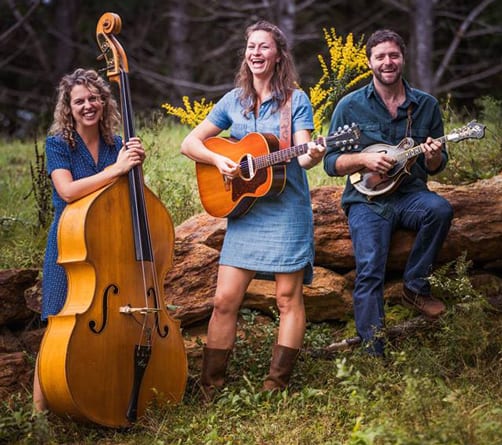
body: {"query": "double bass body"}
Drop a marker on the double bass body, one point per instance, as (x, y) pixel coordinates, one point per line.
(88, 363)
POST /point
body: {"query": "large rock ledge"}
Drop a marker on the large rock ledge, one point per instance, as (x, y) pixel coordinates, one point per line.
(476, 229)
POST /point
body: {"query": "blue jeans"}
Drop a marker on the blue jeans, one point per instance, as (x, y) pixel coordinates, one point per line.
(426, 213)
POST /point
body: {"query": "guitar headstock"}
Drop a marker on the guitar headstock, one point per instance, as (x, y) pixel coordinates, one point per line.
(345, 138)
(473, 130)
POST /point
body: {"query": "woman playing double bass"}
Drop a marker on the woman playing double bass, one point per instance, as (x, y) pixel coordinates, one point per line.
(82, 142)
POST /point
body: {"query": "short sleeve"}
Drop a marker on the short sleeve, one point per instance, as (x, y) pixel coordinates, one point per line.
(58, 154)
(219, 114)
(302, 118)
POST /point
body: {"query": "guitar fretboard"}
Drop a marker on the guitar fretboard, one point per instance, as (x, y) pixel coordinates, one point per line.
(342, 139)
(280, 155)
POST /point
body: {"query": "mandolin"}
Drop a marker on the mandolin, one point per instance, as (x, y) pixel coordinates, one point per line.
(262, 170)
(373, 184)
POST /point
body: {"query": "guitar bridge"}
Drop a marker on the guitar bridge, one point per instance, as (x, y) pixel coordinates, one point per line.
(355, 177)
(226, 183)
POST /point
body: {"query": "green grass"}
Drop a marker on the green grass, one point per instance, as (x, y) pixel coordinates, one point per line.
(437, 386)
(22, 243)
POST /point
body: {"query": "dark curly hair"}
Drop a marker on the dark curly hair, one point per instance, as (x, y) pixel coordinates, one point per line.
(384, 35)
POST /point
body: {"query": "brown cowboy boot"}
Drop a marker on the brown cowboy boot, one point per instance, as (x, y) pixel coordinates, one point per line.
(281, 367)
(214, 366)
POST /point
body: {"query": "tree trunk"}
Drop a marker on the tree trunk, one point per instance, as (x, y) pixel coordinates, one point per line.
(66, 17)
(284, 18)
(180, 54)
(421, 45)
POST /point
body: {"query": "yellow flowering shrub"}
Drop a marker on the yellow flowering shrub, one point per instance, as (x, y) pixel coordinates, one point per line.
(191, 115)
(347, 66)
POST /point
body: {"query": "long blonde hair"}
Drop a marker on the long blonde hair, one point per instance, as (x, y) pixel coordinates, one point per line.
(284, 79)
(63, 123)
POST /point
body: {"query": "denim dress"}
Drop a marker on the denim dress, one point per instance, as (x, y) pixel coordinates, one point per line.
(81, 164)
(276, 235)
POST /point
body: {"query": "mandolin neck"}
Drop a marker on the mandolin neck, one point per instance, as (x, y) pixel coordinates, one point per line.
(415, 151)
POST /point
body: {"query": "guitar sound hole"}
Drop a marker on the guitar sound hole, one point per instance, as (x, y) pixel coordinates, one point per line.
(244, 168)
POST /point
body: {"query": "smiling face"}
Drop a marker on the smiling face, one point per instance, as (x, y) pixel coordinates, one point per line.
(261, 54)
(86, 107)
(386, 63)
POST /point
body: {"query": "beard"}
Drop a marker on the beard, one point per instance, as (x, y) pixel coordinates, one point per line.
(388, 79)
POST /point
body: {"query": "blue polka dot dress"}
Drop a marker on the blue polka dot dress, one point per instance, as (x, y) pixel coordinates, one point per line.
(81, 164)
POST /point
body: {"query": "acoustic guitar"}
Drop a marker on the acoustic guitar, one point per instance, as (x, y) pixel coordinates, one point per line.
(262, 169)
(371, 183)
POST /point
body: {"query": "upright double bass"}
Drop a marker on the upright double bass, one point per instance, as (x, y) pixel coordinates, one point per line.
(114, 348)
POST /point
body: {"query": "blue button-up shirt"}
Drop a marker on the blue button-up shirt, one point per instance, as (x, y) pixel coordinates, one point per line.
(365, 107)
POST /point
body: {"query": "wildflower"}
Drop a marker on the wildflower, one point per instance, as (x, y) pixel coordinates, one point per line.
(347, 67)
(191, 115)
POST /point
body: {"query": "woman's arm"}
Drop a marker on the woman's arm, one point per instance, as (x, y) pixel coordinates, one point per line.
(193, 147)
(70, 190)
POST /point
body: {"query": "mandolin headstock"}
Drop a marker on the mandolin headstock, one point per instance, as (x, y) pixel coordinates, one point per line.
(473, 130)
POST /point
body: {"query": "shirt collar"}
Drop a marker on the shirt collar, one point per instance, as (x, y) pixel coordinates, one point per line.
(410, 94)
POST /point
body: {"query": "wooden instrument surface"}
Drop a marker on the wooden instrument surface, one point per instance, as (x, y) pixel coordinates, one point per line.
(371, 183)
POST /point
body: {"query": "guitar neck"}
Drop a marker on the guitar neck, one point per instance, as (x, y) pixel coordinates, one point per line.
(279, 156)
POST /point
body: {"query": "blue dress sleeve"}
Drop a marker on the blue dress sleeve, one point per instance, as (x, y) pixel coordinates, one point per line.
(57, 152)
(220, 113)
(302, 114)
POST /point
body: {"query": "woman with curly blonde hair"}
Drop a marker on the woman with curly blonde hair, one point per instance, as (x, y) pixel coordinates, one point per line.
(83, 155)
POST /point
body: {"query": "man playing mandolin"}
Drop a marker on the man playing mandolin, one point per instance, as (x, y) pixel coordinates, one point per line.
(379, 197)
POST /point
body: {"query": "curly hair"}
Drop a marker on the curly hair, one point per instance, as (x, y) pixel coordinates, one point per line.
(63, 123)
(284, 79)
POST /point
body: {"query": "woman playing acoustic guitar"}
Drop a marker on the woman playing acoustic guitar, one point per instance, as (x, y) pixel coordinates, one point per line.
(81, 144)
(274, 238)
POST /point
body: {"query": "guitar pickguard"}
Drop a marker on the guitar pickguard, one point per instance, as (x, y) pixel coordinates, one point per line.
(241, 187)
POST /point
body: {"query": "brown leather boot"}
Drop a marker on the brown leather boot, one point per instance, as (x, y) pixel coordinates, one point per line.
(427, 305)
(281, 367)
(214, 366)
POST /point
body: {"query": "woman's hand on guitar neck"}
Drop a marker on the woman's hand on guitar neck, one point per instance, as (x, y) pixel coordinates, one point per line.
(313, 156)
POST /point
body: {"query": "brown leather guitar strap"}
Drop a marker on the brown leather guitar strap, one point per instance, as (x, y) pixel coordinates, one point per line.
(285, 125)
(410, 121)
